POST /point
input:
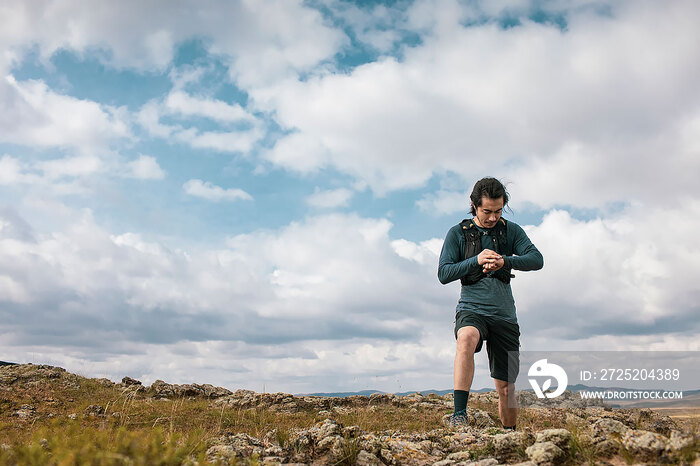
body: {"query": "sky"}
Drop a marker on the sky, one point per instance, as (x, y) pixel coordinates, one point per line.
(254, 193)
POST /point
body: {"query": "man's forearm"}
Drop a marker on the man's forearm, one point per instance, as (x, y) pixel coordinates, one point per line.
(532, 260)
(449, 272)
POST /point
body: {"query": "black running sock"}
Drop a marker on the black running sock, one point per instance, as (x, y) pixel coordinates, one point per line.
(509, 428)
(461, 398)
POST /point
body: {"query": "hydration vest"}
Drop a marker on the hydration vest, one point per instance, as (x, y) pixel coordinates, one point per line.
(472, 247)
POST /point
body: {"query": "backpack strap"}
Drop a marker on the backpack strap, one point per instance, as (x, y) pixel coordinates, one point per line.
(472, 247)
(472, 238)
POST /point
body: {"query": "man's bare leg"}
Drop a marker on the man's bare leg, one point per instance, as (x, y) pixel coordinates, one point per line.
(467, 339)
(506, 402)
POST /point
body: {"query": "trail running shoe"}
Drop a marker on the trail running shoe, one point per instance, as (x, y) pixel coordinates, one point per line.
(457, 419)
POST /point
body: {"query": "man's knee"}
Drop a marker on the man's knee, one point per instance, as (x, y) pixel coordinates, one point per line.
(467, 339)
(504, 389)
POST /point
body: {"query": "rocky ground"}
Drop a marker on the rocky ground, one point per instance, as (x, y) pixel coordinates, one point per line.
(571, 433)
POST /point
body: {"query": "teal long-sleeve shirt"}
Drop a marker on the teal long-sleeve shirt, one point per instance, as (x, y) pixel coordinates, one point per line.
(489, 296)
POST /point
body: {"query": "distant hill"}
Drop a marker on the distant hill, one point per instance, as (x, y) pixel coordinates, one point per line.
(3, 363)
(369, 392)
(688, 395)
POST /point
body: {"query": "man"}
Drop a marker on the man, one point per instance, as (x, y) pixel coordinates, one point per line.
(481, 252)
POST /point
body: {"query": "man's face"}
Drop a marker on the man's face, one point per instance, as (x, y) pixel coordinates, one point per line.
(489, 212)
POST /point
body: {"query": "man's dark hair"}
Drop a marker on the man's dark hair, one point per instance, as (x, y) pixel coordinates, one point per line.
(489, 187)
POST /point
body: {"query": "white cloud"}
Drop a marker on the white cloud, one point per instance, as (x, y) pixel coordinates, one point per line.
(36, 116)
(263, 40)
(424, 253)
(11, 171)
(180, 104)
(149, 117)
(145, 168)
(296, 286)
(184, 104)
(444, 202)
(222, 141)
(74, 174)
(330, 198)
(613, 275)
(211, 192)
(12, 291)
(600, 111)
(379, 26)
(530, 100)
(258, 40)
(326, 290)
(57, 177)
(75, 166)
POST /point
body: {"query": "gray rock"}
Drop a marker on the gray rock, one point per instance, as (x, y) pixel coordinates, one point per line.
(331, 442)
(679, 441)
(647, 446)
(371, 444)
(25, 412)
(30, 374)
(238, 446)
(382, 398)
(462, 458)
(560, 437)
(484, 462)
(272, 460)
(663, 425)
(302, 445)
(271, 437)
(606, 427)
(546, 453)
(94, 410)
(328, 428)
(161, 389)
(211, 391)
(352, 432)
(411, 449)
(386, 456)
(273, 450)
(445, 462)
(104, 382)
(512, 445)
(365, 458)
(480, 418)
(459, 456)
(188, 390)
(606, 448)
(129, 381)
(220, 452)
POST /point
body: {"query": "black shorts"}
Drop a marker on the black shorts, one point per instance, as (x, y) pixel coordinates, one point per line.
(502, 342)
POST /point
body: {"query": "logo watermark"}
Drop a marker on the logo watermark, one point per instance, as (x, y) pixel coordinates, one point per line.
(631, 395)
(622, 379)
(542, 368)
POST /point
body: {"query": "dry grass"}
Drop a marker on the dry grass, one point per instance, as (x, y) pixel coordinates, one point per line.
(137, 429)
(137, 426)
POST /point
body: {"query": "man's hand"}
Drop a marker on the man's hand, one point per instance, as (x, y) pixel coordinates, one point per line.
(493, 266)
(490, 260)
